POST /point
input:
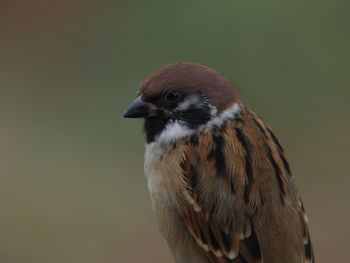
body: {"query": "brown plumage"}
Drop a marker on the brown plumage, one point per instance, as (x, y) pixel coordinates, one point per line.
(222, 190)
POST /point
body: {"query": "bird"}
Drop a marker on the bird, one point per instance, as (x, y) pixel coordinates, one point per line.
(220, 184)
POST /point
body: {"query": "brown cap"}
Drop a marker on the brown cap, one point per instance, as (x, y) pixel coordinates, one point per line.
(188, 78)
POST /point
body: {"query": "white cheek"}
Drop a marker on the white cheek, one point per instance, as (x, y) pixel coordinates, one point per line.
(230, 113)
(177, 130)
(174, 132)
(192, 101)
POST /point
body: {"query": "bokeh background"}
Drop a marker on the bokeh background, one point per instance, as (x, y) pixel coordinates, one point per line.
(71, 169)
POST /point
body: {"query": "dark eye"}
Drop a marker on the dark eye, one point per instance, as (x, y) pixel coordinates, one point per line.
(172, 96)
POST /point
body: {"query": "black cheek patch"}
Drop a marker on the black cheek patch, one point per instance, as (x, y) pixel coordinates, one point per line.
(195, 117)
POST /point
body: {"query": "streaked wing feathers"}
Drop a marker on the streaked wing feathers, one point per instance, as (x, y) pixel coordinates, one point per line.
(225, 171)
(220, 245)
(308, 250)
(219, 224)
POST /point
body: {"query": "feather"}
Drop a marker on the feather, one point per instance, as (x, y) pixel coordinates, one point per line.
(226, 172)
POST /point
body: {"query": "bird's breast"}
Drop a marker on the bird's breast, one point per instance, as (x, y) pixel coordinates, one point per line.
(165, 177)
(165, 182)
(164, 173)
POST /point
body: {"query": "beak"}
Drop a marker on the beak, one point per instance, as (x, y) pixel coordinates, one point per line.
(137, 109)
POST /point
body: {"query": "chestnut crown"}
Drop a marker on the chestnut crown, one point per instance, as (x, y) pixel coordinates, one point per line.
(190, 78)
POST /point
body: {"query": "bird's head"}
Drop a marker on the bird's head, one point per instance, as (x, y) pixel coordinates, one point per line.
(180, 99)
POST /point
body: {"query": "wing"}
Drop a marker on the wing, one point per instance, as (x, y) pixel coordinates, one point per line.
(308, 251)
(219, 222)
(235, 177)
(220, 244)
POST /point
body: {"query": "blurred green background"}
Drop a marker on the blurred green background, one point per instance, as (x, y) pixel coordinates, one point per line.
(71, 169)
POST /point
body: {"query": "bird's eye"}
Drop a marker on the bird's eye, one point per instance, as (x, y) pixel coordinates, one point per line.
(172, 96)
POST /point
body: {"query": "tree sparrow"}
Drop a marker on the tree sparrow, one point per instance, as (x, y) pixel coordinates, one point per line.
(220, 183)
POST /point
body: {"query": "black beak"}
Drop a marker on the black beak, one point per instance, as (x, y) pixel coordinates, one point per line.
(137, 109)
